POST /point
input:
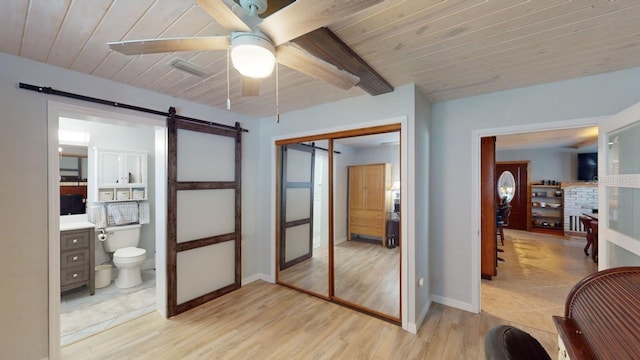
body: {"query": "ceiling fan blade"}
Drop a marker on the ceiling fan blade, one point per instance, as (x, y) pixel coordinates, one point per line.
(223, 15)
(304, 16)
(151, 46)
(305, 63)
(250, 86)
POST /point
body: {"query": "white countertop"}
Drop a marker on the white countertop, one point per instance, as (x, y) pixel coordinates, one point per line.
(74, 222)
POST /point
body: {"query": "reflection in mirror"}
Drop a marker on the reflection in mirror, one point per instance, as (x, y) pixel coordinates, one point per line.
(506, 186)
(367, 218)
(303, 217)
(73, 179)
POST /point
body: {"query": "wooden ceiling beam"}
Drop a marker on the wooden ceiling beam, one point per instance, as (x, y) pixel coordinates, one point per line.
(326, 45)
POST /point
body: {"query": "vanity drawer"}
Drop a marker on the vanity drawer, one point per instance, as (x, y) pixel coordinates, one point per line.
(70, 240)
(74, 258)
(72, 275)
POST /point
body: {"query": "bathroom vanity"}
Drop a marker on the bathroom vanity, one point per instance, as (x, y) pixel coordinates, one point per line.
(77, 262)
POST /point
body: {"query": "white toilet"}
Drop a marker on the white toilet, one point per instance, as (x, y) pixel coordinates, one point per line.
(122, 242)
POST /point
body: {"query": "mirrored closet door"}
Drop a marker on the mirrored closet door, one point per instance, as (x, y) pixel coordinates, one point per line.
(303, 244)
(338, 234)
(366, 251)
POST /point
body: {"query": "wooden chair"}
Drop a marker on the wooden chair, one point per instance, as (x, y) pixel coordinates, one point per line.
(502, 219)
(602, 316)
(594, 239)
(586, 223)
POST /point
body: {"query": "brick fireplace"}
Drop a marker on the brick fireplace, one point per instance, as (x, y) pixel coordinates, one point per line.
(579, 198)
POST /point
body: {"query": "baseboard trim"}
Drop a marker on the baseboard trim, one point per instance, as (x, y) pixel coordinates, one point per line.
(259, 276)
(423, 313)
(453, 303)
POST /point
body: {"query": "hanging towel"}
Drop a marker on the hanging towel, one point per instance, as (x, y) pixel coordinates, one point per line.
(97, 216)
(143, 212)
(122, 213)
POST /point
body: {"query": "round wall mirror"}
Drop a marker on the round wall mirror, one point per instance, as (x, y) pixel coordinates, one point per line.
(506, 185)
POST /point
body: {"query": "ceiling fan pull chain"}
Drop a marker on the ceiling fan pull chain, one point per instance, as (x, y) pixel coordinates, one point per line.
(228, 86)
(277, 96)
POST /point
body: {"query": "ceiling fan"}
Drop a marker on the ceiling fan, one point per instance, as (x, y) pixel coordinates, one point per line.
(255, 44)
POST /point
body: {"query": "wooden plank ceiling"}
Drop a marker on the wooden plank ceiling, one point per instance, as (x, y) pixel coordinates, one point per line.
(448, 48)
(577, 140)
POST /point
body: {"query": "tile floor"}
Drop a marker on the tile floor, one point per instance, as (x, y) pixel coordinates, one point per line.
(82, 315)
(535, 279)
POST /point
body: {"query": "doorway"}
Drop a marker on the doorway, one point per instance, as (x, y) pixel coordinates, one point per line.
(153, 289)
(527, 251)
(519, 203)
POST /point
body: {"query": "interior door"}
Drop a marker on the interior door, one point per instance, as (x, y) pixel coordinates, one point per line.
(366, 273)
(297, 193)
(518, 216)
(303, 223)
(203, 220)
(488, 255)
(619, 190)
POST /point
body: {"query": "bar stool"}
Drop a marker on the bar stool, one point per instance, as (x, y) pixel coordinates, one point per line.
(586, 223)
(594, 234)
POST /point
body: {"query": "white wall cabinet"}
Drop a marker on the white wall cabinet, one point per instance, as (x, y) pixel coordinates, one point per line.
(121, 175)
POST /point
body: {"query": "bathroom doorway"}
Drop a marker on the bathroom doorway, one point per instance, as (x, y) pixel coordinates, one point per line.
(85, 310)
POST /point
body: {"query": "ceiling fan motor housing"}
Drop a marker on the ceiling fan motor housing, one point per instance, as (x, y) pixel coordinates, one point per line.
(259, 6)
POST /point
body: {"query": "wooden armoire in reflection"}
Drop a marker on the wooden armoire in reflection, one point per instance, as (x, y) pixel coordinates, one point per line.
(369, 200)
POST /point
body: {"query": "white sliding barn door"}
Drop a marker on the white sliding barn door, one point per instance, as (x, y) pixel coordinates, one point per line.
(203, 225)
(619, 190)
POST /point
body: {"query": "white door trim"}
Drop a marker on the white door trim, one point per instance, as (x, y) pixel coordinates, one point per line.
(475, 186)
(54, 111)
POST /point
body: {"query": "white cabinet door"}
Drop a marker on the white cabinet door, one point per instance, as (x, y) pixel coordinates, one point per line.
(109, 168)
(121, 168)
(619, 190)
(135, 169)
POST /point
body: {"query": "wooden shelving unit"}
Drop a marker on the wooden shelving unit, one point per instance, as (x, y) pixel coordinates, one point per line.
(547, 214)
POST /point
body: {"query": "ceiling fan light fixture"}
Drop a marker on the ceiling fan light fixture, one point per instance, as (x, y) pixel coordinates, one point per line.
(252, 54)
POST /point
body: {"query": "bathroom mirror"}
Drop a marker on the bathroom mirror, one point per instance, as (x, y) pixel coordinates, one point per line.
(73, 179)
(73, 163)
(367, 235)
(303, 217)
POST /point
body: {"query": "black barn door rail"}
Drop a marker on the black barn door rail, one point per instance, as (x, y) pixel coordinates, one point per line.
(48, 90)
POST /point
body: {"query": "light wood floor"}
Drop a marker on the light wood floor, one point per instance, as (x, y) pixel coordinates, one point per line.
(534, 281)
(266, 321)
(311, 274)
(365, 273)
(368, 274)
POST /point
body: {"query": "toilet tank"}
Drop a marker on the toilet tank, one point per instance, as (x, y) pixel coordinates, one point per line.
(119, 237)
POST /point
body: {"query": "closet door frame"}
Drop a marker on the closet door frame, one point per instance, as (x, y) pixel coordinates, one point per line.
(396, 127)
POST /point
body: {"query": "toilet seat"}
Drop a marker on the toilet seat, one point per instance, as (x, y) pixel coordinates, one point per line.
(128, 255)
